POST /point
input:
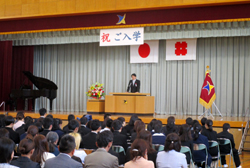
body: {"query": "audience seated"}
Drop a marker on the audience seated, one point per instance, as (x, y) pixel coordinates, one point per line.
(189, 122)
(150, 126)
(42, 113)
(203, 122)
(66, 128)
(7, 147)
(53, 138)
(122, 119)
(4, 133)
(198, 138)
(2, 120)
(79, 153)
(63, 160)
(139, 126)
(139, 155)
(171, 156)
(41, 153)
(57, 123)
(39, 126)
(211, 135)
(89, 140)
(226, 148)
(105, 119)
(158, 137)
(108, 125)
(19, 120)
(50, 116)
(170, 127)
(84, 129)
(119, 139)
(32, 130)
(186, 139)
(73, 126)
(104, 142)
(128, 129)
(28, 121)
(47, 126)
(9, 123)
(147, 136)
(26, 148)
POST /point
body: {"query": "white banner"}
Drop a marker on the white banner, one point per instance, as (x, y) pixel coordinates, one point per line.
(181, 49)
(145, 53)
(120, 37)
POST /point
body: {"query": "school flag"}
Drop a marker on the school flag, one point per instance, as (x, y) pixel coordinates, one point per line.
(208, 95)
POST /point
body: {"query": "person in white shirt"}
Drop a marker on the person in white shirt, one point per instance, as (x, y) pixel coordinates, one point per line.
(41, 153)
(19, 120)
(79, 153)
(108, 125)
(171, 156)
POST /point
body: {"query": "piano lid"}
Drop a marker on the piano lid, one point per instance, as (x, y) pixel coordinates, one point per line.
(40, 83)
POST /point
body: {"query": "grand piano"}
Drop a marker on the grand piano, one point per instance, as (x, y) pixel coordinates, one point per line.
(46, 88)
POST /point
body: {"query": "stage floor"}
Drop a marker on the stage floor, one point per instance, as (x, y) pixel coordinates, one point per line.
(235, 122)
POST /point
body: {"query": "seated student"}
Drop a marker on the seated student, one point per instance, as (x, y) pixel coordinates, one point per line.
(47, 126)
(41, 152)
(63, 160)
(170, 127)
(139, 126)
(105, 119)
(53, 138)
(79, 153)
(139, 155)
(7, 147)
(186, 139)
(211, 135)
(198, 138)
(84, 129)
(9, 122)
(66, 128)
(4, 133)
(122, 119)
(150, 126)
(39, 126)
(226, 148)
(89, 140)
(42, 113)
(26, 148)
(128, 128)
(203, 122)
(73, 126)
(189, 122)
(28, 121)
(32, 130)
(57, 123)
(19, 120)
(119, 139)
(108, 125)
(104, 142)
(171, 156)
(158, 137)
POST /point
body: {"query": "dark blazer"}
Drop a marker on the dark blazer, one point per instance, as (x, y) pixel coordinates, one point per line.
(158, 139)
(24, 162)
(166, 130)
(190, 145)
(89, 141)
(133, 136)
(59, 132)
(62, 161)
(14, 136)
(44, 132)
(21, 130)
(66, 129)
(211, 135)
(134, 88)
(84, 130)
(120, 139)
(200, 156)
(226, 148)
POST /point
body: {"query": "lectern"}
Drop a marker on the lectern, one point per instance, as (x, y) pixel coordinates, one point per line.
(130, 103)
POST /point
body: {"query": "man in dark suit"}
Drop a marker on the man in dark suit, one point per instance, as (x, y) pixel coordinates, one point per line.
(89, 140)
(134, 84)
(47, 126)
(84, 129)
(224, 149)
(67, 150)
(66, 127)
(9, 122)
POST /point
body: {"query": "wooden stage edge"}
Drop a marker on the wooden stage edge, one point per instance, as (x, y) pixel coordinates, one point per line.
(235, 122)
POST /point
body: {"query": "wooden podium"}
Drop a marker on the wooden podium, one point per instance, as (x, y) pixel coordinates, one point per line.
(130, 103)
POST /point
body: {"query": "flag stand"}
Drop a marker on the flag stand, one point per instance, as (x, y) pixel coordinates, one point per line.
(208, 113)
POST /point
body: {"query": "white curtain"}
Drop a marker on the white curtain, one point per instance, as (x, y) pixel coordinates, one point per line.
(176, 85)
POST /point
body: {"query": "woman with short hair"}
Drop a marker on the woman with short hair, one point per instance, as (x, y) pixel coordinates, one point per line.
(26, 148)
(52, 138)
(7, 147)
(139, 155)
(171, 156)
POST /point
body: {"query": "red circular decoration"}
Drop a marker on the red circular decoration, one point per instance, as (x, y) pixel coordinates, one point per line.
(144, 50)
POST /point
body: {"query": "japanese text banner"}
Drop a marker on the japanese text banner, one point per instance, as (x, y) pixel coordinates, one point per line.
(120, 37)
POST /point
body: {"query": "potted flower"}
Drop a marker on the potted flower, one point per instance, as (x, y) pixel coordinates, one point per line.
(96, 91)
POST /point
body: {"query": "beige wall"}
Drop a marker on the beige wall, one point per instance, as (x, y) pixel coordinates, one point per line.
(32, 8)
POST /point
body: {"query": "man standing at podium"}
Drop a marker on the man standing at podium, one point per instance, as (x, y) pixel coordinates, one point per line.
(134, 84)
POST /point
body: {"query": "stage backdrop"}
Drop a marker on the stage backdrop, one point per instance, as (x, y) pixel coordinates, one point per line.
(176, 85)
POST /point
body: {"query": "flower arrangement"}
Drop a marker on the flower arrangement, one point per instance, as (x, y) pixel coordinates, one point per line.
(96, 91)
